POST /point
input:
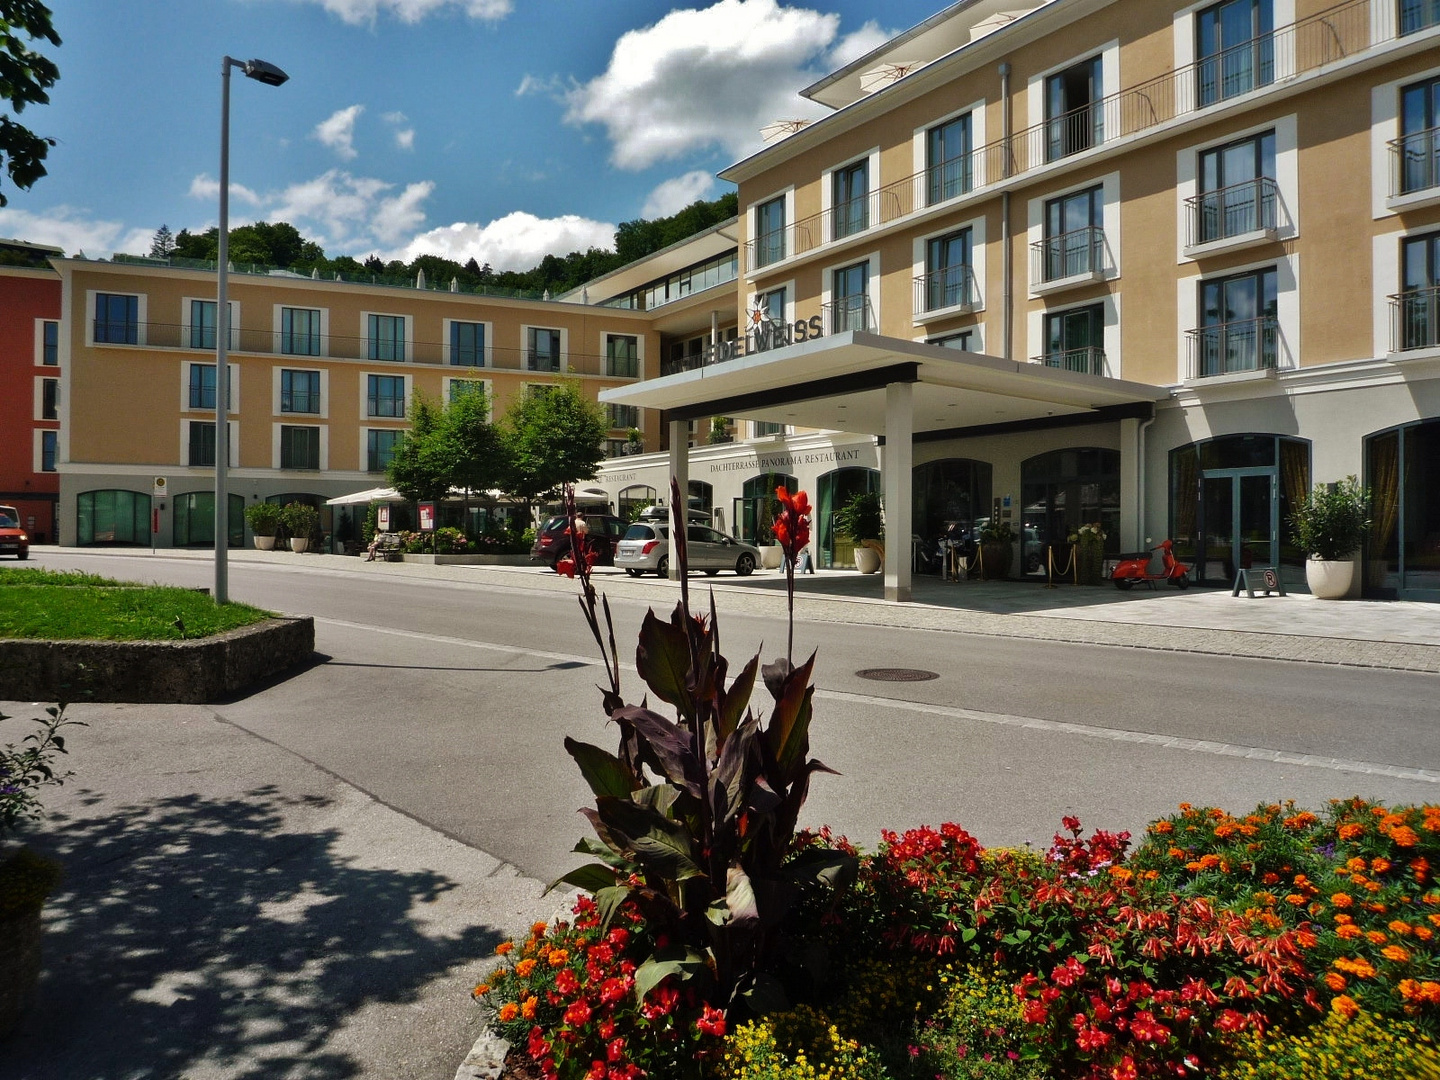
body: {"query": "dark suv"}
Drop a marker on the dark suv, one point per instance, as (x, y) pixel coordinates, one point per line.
(552, 543)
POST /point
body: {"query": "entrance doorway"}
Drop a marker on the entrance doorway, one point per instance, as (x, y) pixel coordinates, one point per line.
(1061, 491)
(834, 490)
(755, 509)
(1241, 514)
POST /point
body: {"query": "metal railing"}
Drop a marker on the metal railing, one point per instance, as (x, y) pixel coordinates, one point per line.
(1087, 360)
(1415, 320)
(1415, 162)
(850, 217)
(1305, 45)
(1067, 255)
(1233, 211)
(301, 349)
(948, 180)
(1236, 70)
(1228, 348)
(847, 313)
(952, 287)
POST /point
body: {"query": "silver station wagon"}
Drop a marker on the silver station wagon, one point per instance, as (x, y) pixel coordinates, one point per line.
(646, 546)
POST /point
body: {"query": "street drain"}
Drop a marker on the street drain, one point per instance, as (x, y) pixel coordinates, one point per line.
(897, 674)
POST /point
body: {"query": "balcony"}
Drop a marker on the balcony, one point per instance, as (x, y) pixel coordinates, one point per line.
(1087, 360)
(1415, 170)
(951, 291)
(849, 217)
(1232, 218)
(1236, 70)
(301, 349)
(1415, 324)
(1234, 351)
(847, 313)
(1067, 259)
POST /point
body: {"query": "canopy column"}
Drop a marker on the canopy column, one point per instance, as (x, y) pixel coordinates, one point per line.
(897, 476)
(680, 471)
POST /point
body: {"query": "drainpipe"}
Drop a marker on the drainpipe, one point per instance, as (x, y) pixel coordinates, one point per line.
(1006, 241)
(1140, 478)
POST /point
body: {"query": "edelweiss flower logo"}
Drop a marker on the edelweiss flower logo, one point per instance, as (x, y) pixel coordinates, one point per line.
(759, 313)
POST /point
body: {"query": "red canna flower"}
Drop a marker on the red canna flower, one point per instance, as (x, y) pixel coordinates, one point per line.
(792, 524)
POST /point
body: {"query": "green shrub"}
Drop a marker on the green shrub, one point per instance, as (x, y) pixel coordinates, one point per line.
(26, 879)
(862, 519)
(801, 1044)
(1331, 523)
(264, 518)
(300, 519)
(979, 1031)
(1339, 1048)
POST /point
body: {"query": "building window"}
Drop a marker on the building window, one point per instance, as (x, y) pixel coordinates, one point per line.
(117, 319)
(535, 390)
(202, 443)
(964, 341)
(380, 446)
(1417, 15)
(467, 344)
(299, 447)
(622, 356)
(850, 308)
(300, 391)
(202, 386)
(300, 331)
(385, 395)
(49, 399)
(542, 349)
(50, 344)
(112, 517)
(1418, 146)
(615, 448)
(460, 388)
(772, 303)
(1417, 324)
(764, 429)
(948, 279)
(1236, 45)
(1075, 340)
(623, 416)
(1074, 237)
(1237, 189)
(947, 159)
(385, 337)
(49, 448)
(1074, 119)
(202, 324)
(770, 231)
(850, 188)
(1239, 330)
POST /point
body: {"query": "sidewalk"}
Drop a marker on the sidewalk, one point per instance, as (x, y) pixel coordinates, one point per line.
(1399, 635)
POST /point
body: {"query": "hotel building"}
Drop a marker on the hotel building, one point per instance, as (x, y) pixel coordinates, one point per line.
(1159, 265)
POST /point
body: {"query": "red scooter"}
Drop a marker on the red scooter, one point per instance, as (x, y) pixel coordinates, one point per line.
(1136, 567)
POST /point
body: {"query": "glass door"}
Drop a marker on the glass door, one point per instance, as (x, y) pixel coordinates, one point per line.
(1241, 523)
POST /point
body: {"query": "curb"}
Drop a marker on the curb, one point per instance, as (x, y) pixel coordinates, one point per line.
(486, 1059)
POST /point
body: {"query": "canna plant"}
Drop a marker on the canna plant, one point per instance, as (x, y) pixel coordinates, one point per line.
(695, 816)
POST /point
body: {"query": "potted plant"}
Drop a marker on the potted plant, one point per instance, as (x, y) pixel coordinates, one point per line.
(300, 521)
(1330, 528)
(997, 549)
(634, 441)
(26, 878)
(1089, 541)
(863, 521)
(264, 519)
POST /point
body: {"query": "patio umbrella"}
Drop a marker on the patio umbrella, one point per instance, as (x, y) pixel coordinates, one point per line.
(379, 494)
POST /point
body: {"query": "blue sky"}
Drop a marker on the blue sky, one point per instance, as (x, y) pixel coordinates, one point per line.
(502, 129)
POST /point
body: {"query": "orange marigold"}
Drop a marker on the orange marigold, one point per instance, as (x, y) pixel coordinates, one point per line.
(1348, 931)
(1351, 831)
(508, 1012)
(1397, 954)
(1359, 879)
(1400, 926)
(525, 967)
(558, 957)
(1379, 866)
(1209, 861)
(1430, 992)
(1345, 1006)
(1424, 933)
(1341, 900)
(481, 990)
(1297, 900)
(504, 947)
(1375, 937)
(1359, 967)
(1164, 828)
(1409, 989)
(1355, 865)
(536, 929)
(1176, 853)
(1335, 981)
(1404, 836)
(1270, 878)
(527, 1010)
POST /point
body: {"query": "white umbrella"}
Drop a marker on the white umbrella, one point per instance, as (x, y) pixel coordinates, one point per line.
(379, 494)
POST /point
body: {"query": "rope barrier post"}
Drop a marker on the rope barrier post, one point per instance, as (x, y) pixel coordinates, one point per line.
(1050, 566)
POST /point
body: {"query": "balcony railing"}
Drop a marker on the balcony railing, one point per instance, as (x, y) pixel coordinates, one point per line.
(298, 350)
(1087, 360)
(850, 217)
(1067, 255)
(1415, 162)
(847, 313)
(949, 179)
(952, 287)
(1306, 45)
(1241, 208)
(1415, 320)
(1234, 347)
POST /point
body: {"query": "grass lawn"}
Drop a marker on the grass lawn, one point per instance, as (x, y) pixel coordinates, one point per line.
(70, 606)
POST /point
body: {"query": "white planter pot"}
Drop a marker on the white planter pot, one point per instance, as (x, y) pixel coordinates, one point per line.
(264, 543)
(1329, 580)
(772, 557)
(299, 544)
(867, 560)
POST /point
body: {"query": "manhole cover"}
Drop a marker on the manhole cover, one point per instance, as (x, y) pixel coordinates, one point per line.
(897, 674)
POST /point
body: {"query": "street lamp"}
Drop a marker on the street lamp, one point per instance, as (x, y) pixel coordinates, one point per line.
(270, 75)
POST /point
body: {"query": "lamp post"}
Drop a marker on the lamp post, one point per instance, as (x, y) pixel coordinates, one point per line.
(270, 75)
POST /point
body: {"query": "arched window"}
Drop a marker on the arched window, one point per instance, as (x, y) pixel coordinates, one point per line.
(945, 493)
(635, 498)
(112, 517)
(194, 520)
(702, 496)
(755, 509)
(1062, 490)
(833, 491)
(1402, 471)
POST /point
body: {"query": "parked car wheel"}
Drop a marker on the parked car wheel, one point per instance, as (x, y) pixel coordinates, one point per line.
(662, 568)
(745, 565)
(22, 556)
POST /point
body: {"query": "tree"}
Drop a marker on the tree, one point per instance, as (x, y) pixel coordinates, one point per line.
(554, 436)
(416, 471)
(449, 446)
(162, 246)
(25, 76)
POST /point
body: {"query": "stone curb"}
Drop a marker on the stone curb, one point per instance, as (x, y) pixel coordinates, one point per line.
(486, 1059)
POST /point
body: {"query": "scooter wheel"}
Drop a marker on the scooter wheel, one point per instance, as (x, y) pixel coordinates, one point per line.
(1182, 582)
(1124, 584)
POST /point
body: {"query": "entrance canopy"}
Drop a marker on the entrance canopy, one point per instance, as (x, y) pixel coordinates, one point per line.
(838, 383)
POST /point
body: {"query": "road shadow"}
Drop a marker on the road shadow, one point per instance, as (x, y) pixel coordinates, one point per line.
(196, 936)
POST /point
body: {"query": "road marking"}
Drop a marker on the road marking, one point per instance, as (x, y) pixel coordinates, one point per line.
(1029, 723)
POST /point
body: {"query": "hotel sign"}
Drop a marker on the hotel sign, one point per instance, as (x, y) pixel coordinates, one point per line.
(763, 334)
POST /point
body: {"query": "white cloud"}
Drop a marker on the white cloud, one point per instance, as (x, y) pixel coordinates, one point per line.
(677, 193)
(855, 45)
(713, 77)
(366, 12)
(515, 242)
(338, 131)
(207, 187)
(396, 217)
(70, 229)
(405, 139)
(344, 207)
(553, 86)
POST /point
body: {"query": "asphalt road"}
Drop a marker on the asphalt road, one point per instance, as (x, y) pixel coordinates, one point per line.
(448, 701)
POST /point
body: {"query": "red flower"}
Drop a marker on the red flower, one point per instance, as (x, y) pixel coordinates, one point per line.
(566, 982)
(712, 1022)
(792, 524)
(578, 1013)
(660, 1002)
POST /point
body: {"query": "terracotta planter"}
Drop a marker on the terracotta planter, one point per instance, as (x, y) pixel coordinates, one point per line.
(265, 543)
(1329, 579)
(299, 544)
(19, 966)
(867, 560)
(995, 559)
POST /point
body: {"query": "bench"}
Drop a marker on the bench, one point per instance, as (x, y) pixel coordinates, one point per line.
(385, 546)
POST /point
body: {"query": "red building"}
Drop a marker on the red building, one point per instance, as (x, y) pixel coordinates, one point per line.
(30, 385)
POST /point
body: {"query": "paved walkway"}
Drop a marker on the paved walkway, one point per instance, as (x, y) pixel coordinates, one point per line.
(1402, 635)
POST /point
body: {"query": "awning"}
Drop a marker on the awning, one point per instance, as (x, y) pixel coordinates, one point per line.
(838, 383)
(369, 495)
